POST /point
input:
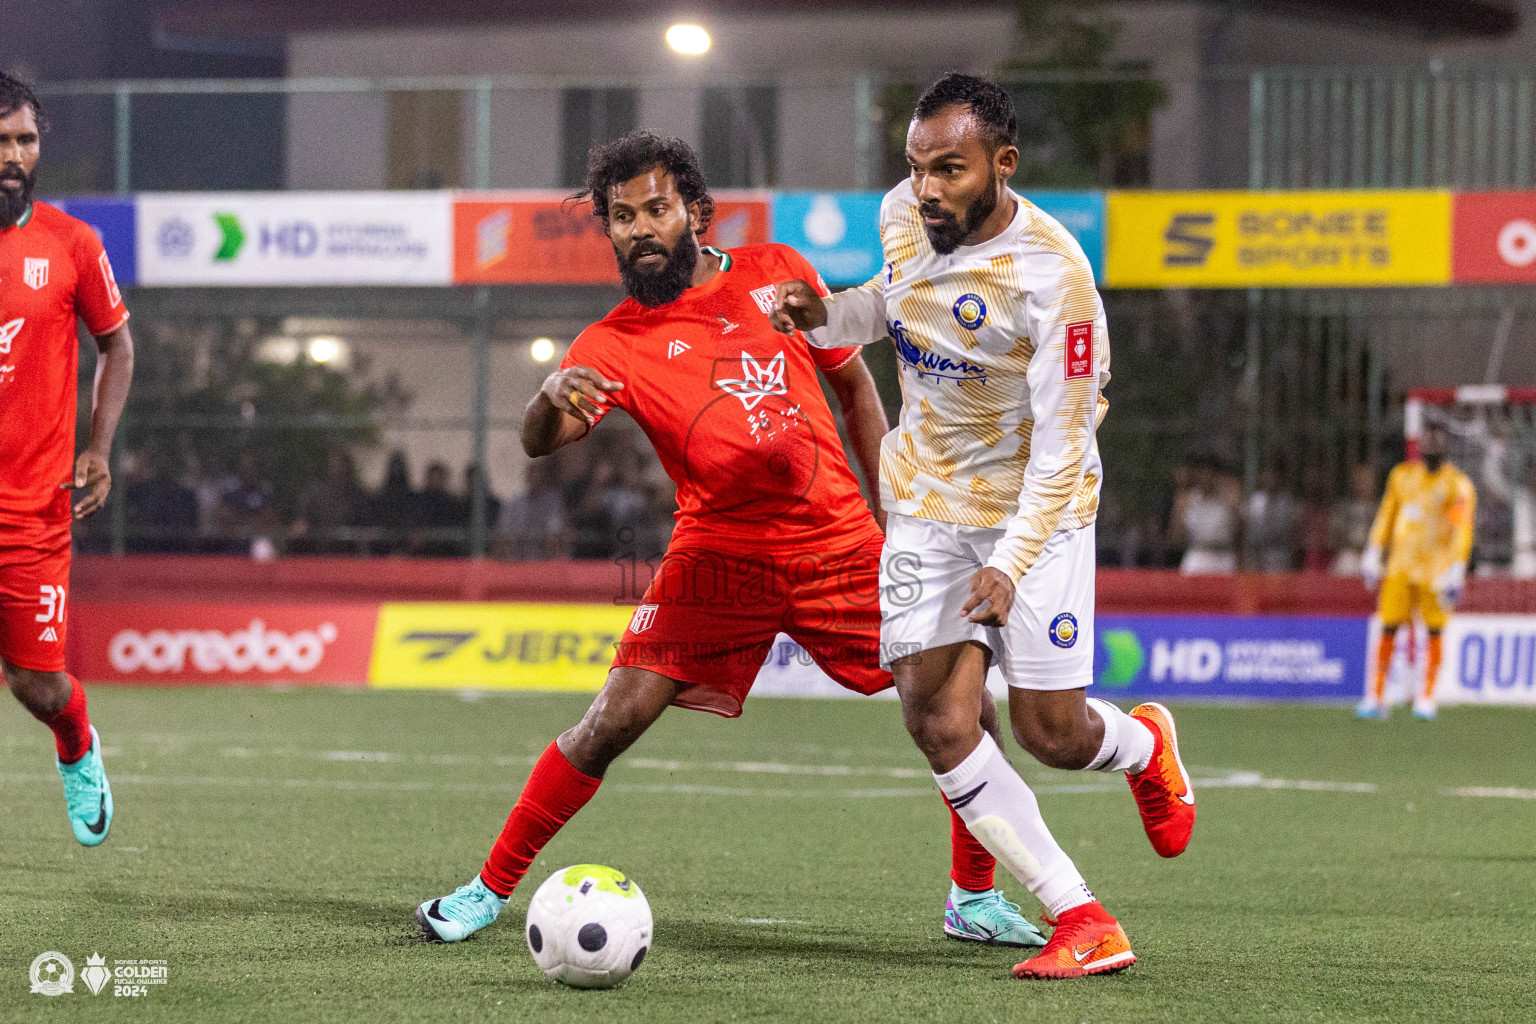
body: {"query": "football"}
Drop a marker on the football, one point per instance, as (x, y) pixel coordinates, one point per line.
(588, 926)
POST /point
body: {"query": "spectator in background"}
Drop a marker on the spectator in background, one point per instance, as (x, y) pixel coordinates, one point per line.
(1270, 525)
(244, 516)
(532, 525)
(1163, 531)
(394, 505)
(611, 509)
(1316, 549)
(1207, 519)
(1349, 525)
(437, 520)
(160, 511)
(492, 503)
(329, 507)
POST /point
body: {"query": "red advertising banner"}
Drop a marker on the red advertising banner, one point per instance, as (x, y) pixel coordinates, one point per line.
(1493, 238)
(543, 238)
(222, 643)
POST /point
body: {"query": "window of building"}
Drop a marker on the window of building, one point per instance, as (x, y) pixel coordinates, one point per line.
(741, 136)
(591, 117)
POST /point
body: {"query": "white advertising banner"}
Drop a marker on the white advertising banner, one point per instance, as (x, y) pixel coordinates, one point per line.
(1488, 659)
(295, 238)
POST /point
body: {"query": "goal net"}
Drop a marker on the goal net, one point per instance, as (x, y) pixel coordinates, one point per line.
(1491, 432)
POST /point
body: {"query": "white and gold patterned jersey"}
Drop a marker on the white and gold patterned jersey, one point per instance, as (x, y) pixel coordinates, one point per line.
(1003, 353)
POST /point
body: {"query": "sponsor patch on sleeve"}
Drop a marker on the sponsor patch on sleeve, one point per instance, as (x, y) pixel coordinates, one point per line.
(1080, 350)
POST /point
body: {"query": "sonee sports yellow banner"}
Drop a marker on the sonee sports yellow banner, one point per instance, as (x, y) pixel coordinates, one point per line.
(453, 644)
(1286, 239)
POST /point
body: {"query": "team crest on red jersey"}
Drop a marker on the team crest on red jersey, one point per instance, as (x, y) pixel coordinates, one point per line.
(765, 297)
(644, 616)
(34, 272)
(1080, 350)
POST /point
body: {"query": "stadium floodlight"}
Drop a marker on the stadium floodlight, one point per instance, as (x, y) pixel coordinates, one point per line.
(689, 40)
(542, 350)
(325, 349)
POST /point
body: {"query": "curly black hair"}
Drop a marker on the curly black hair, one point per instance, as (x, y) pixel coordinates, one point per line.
(616, 162)
(991, 107)
(15, 94)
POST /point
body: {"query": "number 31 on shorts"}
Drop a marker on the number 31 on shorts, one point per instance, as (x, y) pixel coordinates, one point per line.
(52, 600)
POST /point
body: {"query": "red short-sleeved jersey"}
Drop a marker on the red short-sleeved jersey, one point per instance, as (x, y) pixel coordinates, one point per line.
(52, 270)
(734, 409)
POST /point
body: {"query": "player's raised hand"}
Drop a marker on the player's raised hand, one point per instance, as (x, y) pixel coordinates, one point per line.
(93, 476)
(991, 598)
(797, 307)
(579, 390)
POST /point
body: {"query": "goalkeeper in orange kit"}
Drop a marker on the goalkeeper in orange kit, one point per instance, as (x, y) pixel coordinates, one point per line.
(1423, 534)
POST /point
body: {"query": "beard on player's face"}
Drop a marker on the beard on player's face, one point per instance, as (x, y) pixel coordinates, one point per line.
(657, 286)
(947, 236)
(15, 193)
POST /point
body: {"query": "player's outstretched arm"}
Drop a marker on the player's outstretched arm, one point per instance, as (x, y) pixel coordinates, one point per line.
(569, 405)
(114, 375)
(853, 317)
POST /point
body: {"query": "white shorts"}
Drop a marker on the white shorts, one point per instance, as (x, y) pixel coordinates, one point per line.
(925, 577)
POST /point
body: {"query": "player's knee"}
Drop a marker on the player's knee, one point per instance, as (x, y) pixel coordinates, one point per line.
(1053, 748)
(935, 728)
(42, 693)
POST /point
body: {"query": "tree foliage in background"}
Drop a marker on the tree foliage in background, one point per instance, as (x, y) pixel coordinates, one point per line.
(202, 395)
(1073, 133)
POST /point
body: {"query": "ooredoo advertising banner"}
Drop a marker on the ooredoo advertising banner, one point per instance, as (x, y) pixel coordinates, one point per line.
(545, 238)
(295, 238)
(222, 643)
(1495, 238)
(1278, 239)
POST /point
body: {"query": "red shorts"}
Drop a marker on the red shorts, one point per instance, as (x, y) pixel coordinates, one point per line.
(34, 590)
(709, 620)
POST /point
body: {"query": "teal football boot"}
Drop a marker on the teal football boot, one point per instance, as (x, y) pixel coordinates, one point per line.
(457, 917)
(87, 795)
(988, 918)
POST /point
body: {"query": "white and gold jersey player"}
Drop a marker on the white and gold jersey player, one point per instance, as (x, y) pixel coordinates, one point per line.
(991, 479)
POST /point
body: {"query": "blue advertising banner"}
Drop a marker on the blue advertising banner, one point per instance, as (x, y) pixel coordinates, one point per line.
(1190, 657)
(839, 232)
(1081, 213)
(113, 220)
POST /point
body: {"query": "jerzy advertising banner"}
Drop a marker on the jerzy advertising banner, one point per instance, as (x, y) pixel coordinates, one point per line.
(1278, 239)
(295, 238)
(545, 238)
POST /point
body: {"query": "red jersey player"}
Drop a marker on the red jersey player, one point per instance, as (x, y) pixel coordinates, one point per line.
(772, 533)
(52, 270)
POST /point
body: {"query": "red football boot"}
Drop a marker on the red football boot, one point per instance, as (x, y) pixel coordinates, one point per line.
(1086, 941)
(1164, 795)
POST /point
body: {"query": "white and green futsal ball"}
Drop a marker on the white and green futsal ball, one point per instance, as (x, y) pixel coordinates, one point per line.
(588, 926)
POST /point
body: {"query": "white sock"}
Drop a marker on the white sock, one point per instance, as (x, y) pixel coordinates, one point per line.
(1004, 816)
(1127, 745)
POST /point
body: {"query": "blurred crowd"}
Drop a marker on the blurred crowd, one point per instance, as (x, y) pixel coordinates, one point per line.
(1203, 524)
(611, 500)
(587, 501)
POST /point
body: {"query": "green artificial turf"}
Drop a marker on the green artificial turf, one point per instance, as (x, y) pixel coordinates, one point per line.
(270, 846)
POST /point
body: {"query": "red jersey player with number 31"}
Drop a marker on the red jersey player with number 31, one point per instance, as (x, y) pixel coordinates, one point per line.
(53, 270)
(772, 534)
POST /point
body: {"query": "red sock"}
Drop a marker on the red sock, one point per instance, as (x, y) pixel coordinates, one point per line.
(71, 728)
(971, 866)
(553, 793)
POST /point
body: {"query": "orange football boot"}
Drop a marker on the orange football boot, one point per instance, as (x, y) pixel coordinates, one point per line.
(1086, 941)
(1164, 795)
